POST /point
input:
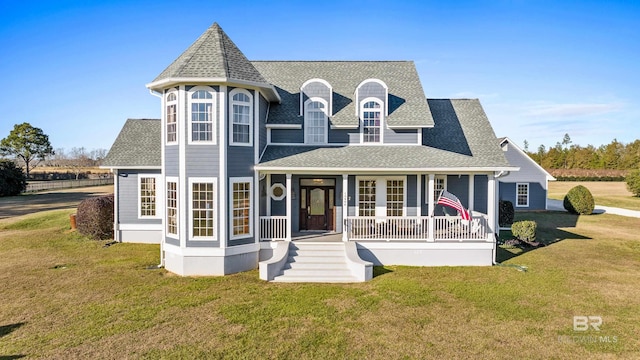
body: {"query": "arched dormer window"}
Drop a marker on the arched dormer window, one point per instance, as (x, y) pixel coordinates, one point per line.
(171, 112)
(241, 117)
(316, 88)
(202, 115)
(315, 121)
(371, 120)
(373, 88)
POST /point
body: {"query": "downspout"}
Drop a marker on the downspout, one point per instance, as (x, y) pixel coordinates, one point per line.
(503, 173)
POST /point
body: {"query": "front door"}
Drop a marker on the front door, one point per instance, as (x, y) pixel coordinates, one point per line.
(316, 207)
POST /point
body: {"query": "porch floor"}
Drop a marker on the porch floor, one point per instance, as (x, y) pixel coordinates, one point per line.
(310, 236)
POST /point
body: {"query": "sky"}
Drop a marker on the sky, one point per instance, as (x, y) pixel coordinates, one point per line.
(78, 69)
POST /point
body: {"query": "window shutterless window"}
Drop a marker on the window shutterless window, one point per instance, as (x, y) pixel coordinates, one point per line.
(371, 119)
(241, 117)
(522, 194)
(203, 208)
(367, 198)
(315, 122)
(172, 208)
(172, 120)
(241, 208)
(147, 196)
(395, 197)
(202, 115)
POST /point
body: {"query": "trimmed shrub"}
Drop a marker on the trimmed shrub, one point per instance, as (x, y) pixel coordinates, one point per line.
(524, 230)
(579, 201)
(505, 213)
(95, 217)
(633, 182)
(12, 179)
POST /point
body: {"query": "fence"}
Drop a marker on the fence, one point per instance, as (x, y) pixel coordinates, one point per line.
(66, 184)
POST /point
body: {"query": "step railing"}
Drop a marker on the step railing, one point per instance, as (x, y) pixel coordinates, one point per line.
(273, 228)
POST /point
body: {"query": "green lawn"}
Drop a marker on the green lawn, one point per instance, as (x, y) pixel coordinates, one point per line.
(68, 297)
(605, 193)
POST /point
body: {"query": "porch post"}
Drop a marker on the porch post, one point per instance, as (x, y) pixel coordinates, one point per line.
(345, 206)
(289, 201)
(491, 203)
(268, 179)
(432, 205)
(472, 178)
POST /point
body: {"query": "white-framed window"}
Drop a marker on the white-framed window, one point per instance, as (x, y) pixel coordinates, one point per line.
(172, 118)
(148, 186)
(202, 207)
(202, 115)
(381, 196)
(315, 121)
(278, 191)
(241, 199)
(522, 194)
(439, 184)
(371, 121)
(172, 207)
(241, 128)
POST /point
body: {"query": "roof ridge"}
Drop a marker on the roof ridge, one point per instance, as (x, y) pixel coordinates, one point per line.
(333, 61)
(223, 50)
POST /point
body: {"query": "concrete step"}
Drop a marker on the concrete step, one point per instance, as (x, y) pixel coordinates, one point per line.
(317, 272)
(317, 253)
(307, 263)
(316, 262)
(315, 279)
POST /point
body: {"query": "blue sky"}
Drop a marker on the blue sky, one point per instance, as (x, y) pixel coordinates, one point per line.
(78, 69)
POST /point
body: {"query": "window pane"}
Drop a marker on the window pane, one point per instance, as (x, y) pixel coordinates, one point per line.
(147, 196)
(172, 208)
(241, 211)
(367, 198)
(202, 209)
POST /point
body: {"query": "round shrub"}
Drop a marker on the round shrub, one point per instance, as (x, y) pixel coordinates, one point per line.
(505, 213)
(524, 230)
(579, 201)
(95, 217)
(633, 182)
(12, 179)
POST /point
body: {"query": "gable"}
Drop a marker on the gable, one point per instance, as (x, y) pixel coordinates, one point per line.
(138, 145)
(529, 171)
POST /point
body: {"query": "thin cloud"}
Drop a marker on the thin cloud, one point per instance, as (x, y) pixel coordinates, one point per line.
(571, 110)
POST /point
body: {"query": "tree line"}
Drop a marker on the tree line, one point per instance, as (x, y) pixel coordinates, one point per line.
(566, 155)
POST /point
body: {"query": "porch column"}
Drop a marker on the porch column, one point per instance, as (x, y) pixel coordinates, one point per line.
(268, 179)
(432, 206)
(472, 178)
(289, 201)
(491, 203)
(345, 206)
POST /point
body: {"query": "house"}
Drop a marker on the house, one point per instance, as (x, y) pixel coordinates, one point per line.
(527, 188)
(251, 156)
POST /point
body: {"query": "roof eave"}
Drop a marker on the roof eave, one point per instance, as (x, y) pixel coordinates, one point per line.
(270, 91)
(350, 170)
(129, 167)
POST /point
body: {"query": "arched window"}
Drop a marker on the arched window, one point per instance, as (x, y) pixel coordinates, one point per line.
(371, 120)
(201, 115)
(315, 121)
(171, 115)
(241, 117)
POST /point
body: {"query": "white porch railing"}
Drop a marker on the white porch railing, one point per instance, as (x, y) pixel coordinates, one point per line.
(273, 228)
(453, 228)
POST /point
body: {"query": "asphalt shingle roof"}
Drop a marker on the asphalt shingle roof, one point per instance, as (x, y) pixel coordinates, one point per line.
(138, 145)
(407, 102)
(212, 55)
(461, 138)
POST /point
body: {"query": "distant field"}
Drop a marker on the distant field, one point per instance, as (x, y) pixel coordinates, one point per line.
(66, 169)
(605, 193)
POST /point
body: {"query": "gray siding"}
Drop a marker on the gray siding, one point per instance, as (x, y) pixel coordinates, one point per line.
(528, 172)
(240, 161)
(344, 136)
(372, 89)
(171, 160)
(262, 121)
(202, 160)
(316, 89)
(412, 195)
(287, 136)
(279, 208)
(480, 193)
(400, 136)
(128, 197)
(537, 196)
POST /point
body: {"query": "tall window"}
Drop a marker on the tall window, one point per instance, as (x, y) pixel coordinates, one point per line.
(395, 197)
(241, 208)
(315, 122)
(371, 122)
(367, 198)
(241, 121)
(172, 208)
(522, 194)
(439, 184)
(203, 208)
(147, 187)
(172, 127)
(202, 115)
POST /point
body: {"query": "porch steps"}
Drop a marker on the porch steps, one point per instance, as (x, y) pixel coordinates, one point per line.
(316, 262)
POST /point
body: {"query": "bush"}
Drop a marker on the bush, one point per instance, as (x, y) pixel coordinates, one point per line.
(524, 230)
(95, 217)
(505, 213)
(12, 179)
(579, 201)
(633, 182)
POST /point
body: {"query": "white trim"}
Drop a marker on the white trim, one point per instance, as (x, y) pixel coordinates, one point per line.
(344, 127)
(251, 116)
(419, 127)
(158, 198)
(381, 194)
(382, 119)
(386, 95)
(418, 194)
(116, 201)
(112, 168)
(237, 180)
(549, 176)
(172, 179)
(326, 121)
(448, 171)
(140, 227)
(302, 93)
(223, 205)
(436, 177)
(345, 206)
(203, 180)
(164, 83)
(165, 123)
(289, 206)
(273, 196)
(212, 114)
(528, 193)
(472, 190)
(284, 126)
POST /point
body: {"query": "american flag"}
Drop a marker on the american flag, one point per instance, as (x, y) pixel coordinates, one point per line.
(448, 199)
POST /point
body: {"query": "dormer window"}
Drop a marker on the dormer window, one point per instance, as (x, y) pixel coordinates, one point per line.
(201, 115)
(315, 121)
(171, 112)
(316, 88)
(241, 117)
(371, 121)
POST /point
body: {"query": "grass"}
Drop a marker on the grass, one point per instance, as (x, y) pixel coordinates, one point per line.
(65, 296)
(605, 193)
